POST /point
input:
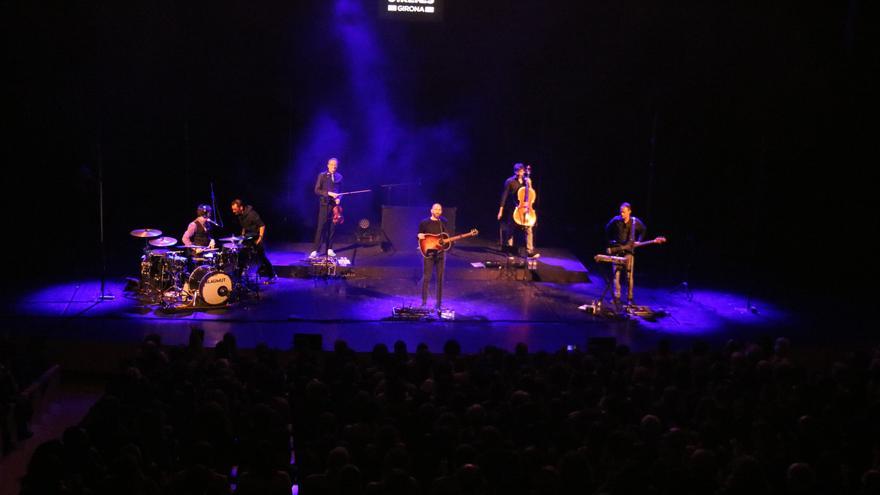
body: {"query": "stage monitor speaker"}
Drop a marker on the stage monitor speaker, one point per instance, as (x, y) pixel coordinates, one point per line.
(308, 342)
(401, 224)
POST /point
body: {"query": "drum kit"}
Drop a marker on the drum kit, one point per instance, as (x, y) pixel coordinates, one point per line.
(195, 276)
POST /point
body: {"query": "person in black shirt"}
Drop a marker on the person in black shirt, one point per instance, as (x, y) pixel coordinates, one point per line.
(509, 201)
(435, 224)
(327, 188)
(253, 228)
(622, 232)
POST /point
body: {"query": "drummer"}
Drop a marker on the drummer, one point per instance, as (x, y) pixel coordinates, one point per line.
(198, 232)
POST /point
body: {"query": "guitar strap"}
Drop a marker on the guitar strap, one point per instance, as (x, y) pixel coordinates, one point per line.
(632, 234)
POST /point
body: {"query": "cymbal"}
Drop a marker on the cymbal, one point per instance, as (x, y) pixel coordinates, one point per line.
(233, 239)
(232, 245)
(163, 242)
(146, 233)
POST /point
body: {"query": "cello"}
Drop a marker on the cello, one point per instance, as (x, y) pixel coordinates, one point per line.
(524, 214)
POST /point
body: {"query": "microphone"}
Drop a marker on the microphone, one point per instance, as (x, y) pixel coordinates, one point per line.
(211, 221)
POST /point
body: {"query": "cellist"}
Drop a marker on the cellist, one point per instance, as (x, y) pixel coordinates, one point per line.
(509, 202)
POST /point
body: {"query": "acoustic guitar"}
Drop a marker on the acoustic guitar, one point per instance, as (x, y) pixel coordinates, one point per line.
(435, 243)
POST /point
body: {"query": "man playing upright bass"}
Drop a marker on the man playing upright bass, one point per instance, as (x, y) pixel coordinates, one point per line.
(509, 203)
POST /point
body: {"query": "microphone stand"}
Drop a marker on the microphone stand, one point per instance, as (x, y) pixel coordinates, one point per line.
(214, 205)
(390, 187)
(104, 296)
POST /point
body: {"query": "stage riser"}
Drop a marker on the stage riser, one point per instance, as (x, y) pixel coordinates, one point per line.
(544, 273)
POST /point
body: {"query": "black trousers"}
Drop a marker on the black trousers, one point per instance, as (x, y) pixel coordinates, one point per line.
(515, 236)
(326, 227)
(438, 262)
(260, 257)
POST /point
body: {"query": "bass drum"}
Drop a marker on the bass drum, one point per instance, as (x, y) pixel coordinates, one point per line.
(214, 287)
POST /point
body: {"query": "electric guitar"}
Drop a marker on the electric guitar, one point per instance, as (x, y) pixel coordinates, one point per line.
(436, 243)
(622, 249)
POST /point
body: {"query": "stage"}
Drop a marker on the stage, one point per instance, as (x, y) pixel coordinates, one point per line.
(494, 303)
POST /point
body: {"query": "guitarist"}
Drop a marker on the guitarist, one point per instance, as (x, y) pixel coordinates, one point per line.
(435, 224)
(623, 231)
(505, 212)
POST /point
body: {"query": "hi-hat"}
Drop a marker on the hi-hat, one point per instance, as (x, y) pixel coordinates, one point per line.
(163, 242)
(146, 233)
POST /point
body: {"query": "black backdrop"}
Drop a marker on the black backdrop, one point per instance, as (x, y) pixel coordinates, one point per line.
(759, 114)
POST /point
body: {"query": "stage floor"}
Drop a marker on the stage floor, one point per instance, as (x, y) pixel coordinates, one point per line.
(492, 305)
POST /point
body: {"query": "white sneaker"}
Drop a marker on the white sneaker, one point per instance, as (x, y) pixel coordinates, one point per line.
(331, 253)
(313, 254)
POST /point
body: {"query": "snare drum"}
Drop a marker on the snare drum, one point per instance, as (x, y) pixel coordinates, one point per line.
(201, 255)
(205, 259)
(212, 286)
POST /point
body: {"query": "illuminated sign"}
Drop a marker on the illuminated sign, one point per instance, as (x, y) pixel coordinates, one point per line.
(411, 10)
